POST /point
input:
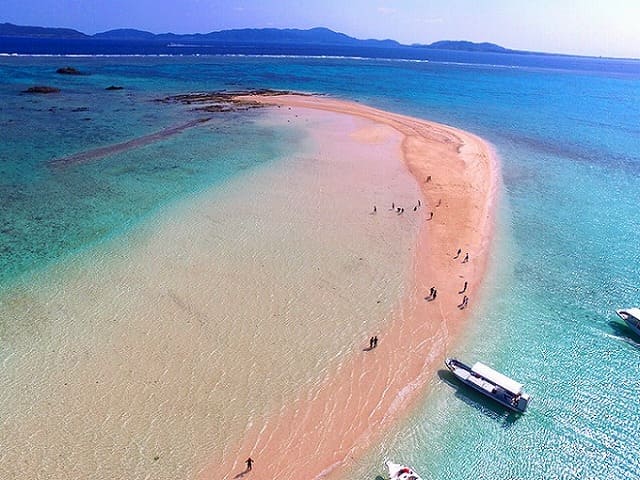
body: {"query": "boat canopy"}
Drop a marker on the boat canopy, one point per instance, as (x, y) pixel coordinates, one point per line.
(497, 378)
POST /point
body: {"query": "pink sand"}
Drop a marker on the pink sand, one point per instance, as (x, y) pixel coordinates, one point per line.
(319, 435)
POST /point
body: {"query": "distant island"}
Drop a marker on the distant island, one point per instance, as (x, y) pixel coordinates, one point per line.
(264, 36)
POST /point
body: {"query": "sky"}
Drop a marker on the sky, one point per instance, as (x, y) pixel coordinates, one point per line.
(582, 27)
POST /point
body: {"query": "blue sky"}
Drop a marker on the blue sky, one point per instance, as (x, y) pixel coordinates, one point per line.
(585, 27)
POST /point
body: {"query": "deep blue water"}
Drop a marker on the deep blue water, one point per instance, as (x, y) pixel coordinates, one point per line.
(568, 134)
(41, 46)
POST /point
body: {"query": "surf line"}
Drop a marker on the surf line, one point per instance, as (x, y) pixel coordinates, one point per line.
(101, 152)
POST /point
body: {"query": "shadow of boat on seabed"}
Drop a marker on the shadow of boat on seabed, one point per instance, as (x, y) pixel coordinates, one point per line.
(624, 333)
(484, 405)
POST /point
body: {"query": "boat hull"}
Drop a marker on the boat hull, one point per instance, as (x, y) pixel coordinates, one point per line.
(632, 321)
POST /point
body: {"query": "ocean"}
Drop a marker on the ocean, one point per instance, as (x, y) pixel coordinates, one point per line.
(567, 131)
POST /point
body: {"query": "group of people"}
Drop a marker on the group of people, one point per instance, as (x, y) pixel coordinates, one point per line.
(373, 342)
(433, 292)
(466, 257)
(400, 210)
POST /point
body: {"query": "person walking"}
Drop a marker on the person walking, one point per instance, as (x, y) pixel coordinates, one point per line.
(464, 303)
(375, 341)
(464, 289)
(249, 462)
(458, 254)
(466, 258)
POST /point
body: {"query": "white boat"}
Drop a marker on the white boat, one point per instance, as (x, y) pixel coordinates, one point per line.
(401, 472)
(493, 384)
(631, 317)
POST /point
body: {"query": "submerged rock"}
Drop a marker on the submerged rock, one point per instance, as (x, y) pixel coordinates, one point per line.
(69, 71)
(41, 89)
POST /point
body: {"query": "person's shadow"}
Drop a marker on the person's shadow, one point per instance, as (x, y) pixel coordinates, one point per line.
(243, 473)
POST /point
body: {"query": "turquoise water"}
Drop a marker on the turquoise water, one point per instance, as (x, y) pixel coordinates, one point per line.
(49, 212)
(567, 252)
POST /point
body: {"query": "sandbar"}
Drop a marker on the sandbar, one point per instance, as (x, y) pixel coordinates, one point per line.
(153, 352)
(319, 434)
(236, 321)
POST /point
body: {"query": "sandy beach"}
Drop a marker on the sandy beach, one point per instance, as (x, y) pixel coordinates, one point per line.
(236, 322)
(156, 352)
(318, 434)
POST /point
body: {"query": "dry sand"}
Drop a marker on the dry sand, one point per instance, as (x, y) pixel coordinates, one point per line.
(316, 435)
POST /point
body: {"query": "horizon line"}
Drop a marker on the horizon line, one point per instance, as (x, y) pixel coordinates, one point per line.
(412, 45)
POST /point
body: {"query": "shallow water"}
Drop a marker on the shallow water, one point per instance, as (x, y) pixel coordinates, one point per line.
(153, 352)
(565, 257)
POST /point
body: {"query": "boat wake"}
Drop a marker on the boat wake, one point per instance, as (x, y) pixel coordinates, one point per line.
(621, 337)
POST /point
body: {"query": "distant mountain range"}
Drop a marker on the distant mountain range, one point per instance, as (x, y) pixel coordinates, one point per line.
(266, 36)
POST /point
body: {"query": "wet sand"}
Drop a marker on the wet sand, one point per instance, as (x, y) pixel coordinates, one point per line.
(102, 152)
(318, 434)
(150, 355)
(236, 322)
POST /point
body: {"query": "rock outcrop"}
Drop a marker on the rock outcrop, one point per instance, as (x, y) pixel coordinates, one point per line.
(41, 89)
(69, 71)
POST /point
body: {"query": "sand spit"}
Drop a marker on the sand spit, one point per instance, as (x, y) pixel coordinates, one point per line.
(152, 354)
(318, 434)
(138, 142)
(236, 323)
(211, 102)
